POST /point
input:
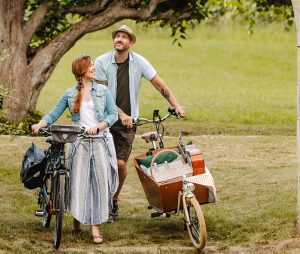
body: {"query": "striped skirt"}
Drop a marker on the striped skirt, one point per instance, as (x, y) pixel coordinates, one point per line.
(93, 179)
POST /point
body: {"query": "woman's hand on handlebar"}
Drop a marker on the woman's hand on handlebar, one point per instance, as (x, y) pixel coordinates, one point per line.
(36, 127)
(92, 131)
(95, 130)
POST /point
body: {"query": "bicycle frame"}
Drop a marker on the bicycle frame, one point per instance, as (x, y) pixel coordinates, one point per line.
(53, 199)
(57, 166)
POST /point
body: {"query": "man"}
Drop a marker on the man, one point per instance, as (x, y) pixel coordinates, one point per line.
(122, 70)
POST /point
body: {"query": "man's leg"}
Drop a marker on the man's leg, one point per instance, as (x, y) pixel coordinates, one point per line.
(123, 139)
(122, 170)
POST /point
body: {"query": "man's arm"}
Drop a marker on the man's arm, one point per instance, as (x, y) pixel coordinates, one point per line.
(166, 92)
(125, 119)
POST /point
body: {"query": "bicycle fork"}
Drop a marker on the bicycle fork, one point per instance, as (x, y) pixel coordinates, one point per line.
(184, 195)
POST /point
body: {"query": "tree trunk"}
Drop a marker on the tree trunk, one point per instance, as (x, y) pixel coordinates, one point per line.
(13, 67)
(14, 77)
(296, 7)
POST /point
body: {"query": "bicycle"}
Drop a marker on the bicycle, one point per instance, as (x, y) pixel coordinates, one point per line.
(176, 191)
(53, 194)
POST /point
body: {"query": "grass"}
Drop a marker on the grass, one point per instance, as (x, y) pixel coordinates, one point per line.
(230, 82)
(256, 185)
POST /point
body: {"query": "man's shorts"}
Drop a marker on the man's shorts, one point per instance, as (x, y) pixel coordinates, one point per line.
(123, 139)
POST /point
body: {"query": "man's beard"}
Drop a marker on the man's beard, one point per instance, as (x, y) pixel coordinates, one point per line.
(120, 50)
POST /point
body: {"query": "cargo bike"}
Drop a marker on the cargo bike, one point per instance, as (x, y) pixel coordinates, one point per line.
(175, 178)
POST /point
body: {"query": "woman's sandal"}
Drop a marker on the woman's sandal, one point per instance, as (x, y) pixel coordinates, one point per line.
(97, 239)
(96, 235)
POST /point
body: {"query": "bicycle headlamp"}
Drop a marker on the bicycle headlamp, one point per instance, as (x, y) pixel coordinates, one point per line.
(190, 187)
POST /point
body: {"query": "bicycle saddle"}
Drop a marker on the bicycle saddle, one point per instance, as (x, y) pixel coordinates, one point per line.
(149, 136)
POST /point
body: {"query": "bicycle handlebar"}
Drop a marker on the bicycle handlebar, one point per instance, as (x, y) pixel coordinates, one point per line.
(46, 132)
(156, 117)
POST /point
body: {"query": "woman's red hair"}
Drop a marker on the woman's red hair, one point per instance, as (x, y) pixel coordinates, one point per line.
(79, 67)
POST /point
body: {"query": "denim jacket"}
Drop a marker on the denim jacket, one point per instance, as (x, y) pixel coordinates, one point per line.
(105, 106)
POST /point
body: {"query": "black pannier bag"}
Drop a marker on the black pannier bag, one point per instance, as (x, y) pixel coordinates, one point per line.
(33, 167)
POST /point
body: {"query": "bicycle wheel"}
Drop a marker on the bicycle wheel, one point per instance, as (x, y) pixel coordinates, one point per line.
(196, 228)
(45, 206)
(59, 208)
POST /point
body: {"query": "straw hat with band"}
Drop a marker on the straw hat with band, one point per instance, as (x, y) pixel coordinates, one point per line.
(125, 29)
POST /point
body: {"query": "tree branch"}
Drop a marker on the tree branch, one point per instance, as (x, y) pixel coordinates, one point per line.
(92, 8)
(46, 57)
(34, 21)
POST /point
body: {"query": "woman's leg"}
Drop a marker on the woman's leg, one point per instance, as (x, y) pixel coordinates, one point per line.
(76, 226)
(96, 234)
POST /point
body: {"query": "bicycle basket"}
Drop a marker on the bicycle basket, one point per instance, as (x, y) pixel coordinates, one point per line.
(33, 167)
(65, 133)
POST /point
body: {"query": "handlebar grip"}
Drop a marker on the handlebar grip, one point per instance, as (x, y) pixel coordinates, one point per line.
(135, 121)
(173, 112)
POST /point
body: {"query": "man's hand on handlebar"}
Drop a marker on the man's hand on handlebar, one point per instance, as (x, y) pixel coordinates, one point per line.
(181, 111)
(126, 120)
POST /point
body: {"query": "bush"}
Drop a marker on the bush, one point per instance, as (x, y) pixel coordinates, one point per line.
(3, 93)
(21, 128)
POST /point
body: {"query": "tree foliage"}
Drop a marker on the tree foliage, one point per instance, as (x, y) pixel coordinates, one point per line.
(62, 14)
(253, 11)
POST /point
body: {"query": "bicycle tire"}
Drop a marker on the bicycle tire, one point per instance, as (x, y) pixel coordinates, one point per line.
(196, 228)
(59, 209)
(45, 206)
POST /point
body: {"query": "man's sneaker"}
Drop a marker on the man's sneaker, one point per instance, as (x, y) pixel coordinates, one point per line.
(114, 212)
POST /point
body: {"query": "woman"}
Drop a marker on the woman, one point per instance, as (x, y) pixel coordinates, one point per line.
(93, 179)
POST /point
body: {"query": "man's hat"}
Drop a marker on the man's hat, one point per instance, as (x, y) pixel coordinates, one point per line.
(127, 30)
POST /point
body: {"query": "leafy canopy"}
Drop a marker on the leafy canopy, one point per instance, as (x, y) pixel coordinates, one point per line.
(62, 14)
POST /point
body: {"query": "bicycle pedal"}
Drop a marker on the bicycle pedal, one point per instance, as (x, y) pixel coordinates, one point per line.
(39, 213)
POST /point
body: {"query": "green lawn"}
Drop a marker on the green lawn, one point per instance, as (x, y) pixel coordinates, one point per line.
(230, 82)
(256, 186)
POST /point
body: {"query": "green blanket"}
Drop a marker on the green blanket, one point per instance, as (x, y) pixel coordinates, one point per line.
(161, 158)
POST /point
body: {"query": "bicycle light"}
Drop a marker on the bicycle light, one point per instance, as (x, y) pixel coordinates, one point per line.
(190, 187)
